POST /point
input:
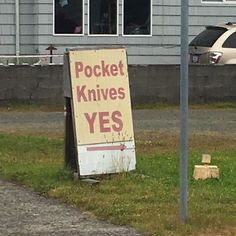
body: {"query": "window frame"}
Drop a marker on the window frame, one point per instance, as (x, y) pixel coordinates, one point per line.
(136, 35)
(218, 2)
(103, 35)
(118, 26)
(74, 34)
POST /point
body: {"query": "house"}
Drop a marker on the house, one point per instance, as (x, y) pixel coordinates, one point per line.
(149, 29)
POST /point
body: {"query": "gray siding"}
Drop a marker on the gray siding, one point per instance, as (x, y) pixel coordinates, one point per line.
(7, 26)
(163, 47)
(27, 27)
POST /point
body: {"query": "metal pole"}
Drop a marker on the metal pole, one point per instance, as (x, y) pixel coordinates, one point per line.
(17, 30)
(184, 112)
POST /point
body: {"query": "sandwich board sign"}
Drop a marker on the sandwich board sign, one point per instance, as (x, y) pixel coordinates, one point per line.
(101, 111)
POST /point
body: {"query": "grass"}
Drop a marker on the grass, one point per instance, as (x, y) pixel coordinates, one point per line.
(47, 106)
(33, 161)
(147, 199)
(203, 105)
(30, 106)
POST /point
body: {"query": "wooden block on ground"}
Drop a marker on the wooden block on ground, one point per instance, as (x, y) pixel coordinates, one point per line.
(206, 171)
(206, 159)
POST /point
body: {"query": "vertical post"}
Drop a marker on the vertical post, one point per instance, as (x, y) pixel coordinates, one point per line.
(17, 30)
(184, 112)
(51, 56)
(70, 148)
(51, 48)
(70, 152)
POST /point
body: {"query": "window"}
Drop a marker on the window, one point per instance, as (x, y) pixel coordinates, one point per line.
(68, 16)
(103, 17)
(136, 17)
(208, 37)
(230, 42)
(218, 1)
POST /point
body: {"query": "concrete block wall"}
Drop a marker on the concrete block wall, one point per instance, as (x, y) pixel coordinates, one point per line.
(160, 83)
(153, 83)
(212, 83)
(31, 83)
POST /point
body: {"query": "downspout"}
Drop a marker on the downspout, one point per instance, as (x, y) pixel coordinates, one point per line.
(17, 30)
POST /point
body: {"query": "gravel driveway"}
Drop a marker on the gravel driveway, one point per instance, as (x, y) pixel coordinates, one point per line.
(213, 120)
(26, 213)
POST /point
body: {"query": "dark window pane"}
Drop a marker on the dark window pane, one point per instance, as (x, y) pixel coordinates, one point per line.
(103, 17)
(208, 37)
(230, 42)
(137, 14)
(212, 1)
(68, 17)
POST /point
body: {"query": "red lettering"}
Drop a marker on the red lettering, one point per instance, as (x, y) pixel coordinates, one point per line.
(105, 93)
(107, 122)
(78, 68)
(105, 71)
(95, 70)
(114, 70)
(121, 92)
(81, 94)
(116, 118)
(88, 71)
(113, 93)
(98, 70)
(92, 95)
(121, 66)
(103, 121)
(91, 121)
(98, 94)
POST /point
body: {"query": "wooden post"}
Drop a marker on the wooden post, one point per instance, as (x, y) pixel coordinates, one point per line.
(70, 151)
(70, 147)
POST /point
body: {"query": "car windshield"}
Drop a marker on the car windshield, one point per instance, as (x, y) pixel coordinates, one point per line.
(208, 37)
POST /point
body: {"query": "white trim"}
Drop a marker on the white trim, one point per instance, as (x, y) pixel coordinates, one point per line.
(73, 35)
(31, 56)
(117, 23)
(137, 35)
(17, 27)
(217, 2)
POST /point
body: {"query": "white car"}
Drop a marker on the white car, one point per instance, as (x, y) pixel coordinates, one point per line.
(214, 45)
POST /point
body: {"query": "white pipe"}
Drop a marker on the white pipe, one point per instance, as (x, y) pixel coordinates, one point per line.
(17, 29)
(31, 56)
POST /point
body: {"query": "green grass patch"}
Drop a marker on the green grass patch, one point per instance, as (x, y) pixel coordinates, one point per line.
(147, 199)
(203, 105)
(47, 106)
(30, 106)
(33, 161)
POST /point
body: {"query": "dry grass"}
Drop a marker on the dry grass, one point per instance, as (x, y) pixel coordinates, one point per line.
(163, 141)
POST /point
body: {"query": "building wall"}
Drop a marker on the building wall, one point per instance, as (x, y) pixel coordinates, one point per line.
(28, 27)
(7, 27)
(152, 83)
(163, 47)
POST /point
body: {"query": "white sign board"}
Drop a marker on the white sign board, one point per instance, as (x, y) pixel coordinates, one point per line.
(102, 111)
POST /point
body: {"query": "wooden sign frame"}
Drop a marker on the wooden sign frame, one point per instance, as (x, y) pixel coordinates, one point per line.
(99, 127)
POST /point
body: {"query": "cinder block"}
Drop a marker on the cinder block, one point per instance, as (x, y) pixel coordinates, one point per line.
(206, 159)
(205, 172)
